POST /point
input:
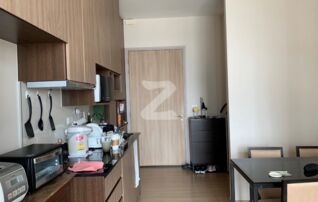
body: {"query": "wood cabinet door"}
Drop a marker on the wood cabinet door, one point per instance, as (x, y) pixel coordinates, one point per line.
(90, 31)
(5, 4)
(63, 195)
(104, 19)
(75, 42)
(128, 165)
(117, 54)
(46, 14)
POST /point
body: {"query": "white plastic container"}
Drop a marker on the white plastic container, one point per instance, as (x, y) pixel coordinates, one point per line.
(77, 140)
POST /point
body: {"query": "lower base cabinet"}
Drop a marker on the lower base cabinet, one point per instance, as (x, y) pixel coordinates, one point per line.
(130, 192)
(98, 189)
(118, 185)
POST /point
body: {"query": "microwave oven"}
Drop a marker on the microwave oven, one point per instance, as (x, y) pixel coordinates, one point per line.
(41, 162)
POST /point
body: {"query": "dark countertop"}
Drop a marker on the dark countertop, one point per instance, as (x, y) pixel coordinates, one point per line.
(110, 159)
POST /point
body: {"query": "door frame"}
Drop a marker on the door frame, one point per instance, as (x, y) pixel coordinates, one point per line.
(185, 118)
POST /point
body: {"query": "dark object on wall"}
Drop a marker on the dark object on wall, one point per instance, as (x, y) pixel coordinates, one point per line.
(40, 123)
(208, 142)
(223, 108)
(50, 116)
(28, 124)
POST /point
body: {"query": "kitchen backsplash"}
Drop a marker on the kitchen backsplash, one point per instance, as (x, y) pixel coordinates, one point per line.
(59, 114)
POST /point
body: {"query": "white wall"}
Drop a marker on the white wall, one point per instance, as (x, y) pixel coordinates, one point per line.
(272, 56)
(203, 40)
(10, 134)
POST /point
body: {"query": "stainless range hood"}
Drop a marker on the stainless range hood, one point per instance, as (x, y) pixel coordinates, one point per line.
(66, 84)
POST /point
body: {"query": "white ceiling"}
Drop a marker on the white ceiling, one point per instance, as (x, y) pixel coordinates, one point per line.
(131, 9)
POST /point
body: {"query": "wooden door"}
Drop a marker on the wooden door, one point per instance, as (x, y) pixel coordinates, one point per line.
(157, 105)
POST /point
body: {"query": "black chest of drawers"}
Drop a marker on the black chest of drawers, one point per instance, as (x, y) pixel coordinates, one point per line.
(208, 142)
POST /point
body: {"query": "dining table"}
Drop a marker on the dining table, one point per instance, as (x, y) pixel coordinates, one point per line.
(256, 172)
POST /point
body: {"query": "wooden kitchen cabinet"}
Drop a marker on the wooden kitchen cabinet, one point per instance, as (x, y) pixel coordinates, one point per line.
(5, 4)
(98, 188)
(117, 45)
(97, 17)
(90, 36)
(128, 165)
(76, 69)
(48, 15)
(104, 34)
(58, 61)
(63, 195)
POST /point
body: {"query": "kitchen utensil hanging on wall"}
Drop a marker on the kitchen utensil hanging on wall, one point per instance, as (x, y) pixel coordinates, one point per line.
(50, 116)
(40, 123)
(28, 124)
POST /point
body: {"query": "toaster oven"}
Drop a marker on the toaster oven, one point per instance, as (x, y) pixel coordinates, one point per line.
(42, 162)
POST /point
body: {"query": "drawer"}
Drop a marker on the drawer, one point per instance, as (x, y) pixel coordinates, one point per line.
(214, 124)
(201, 153)
(112, 179)
(116, 195)
(205, 136)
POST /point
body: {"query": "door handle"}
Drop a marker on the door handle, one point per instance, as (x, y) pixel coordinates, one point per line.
(180, 117)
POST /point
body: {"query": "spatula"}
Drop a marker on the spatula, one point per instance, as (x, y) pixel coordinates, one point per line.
(50, 116)
(40, 123)
(28, 124)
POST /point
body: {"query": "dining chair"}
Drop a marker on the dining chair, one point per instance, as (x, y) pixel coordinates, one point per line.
(267, 152)
(300, 191)
(307, 151)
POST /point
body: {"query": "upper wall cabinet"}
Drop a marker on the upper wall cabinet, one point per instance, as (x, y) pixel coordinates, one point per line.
(61, 62)
(86, 33)
(98, 22)
(46, 14)
(117, 42)
(76, 68)
(5, 4)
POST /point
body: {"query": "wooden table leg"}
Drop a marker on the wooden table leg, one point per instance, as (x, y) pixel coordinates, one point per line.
(232, 183)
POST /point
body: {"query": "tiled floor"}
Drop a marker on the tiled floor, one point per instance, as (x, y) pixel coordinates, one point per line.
(174, 184)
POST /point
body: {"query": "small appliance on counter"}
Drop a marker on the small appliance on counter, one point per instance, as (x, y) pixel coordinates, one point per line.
(41, 162)
(107, 127)
(13, 182)
(94, 138)
(77, 140)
